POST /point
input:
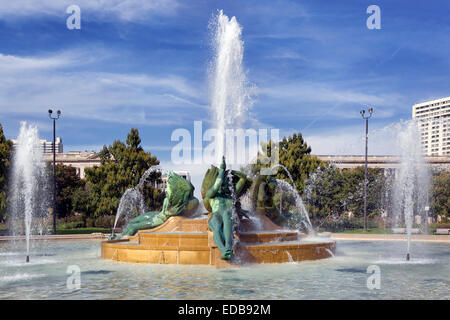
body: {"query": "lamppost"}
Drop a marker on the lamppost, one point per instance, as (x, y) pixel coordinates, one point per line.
(366, 117)
(58, 113)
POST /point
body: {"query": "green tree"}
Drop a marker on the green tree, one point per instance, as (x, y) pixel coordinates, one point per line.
(67, 183)
(323, 192)
(122, 165)
(353, 191)
(440, 194)
(331, 191)
(5, 153)
(294, 155)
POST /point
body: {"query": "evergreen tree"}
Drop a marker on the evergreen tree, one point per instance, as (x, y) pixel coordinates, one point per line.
(122, 165)
(295, 155)
(67, 183)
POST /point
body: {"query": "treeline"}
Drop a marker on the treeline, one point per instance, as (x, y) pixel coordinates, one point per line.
(93, 201)
(326, 190)
(96, 198)
(331, 193)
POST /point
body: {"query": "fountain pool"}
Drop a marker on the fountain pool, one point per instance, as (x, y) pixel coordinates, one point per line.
(341, 277)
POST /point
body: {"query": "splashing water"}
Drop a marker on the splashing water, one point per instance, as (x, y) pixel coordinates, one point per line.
(296, 219)
(132, 201)
(285, 170)
(230, 92)
(29, 187)
(411, 185)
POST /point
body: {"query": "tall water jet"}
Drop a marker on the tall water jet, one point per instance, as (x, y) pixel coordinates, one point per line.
(230, 92)
(412, 182)
(29, 188)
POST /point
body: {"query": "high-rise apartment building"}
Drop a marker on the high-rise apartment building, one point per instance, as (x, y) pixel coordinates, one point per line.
(46, 146)
(434, 123)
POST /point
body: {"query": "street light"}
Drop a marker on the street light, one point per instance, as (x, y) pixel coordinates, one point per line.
(366, 117)
(58, 114)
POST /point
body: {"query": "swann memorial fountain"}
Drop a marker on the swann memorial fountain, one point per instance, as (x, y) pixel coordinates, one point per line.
(227, 234)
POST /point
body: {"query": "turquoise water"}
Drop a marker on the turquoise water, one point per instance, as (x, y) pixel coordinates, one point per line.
(345, 276)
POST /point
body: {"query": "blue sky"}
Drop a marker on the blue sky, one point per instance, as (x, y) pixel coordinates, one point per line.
(144, 64)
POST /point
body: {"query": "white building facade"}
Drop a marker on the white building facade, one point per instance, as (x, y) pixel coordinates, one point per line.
(434, 123)
(46, 146)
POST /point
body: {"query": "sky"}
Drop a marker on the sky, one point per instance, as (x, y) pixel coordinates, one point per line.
(144, 64)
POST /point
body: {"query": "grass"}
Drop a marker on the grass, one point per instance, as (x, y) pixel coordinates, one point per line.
(3, 227)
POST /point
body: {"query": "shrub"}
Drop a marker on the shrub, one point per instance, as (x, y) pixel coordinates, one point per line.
(105, 221)
(90, 222)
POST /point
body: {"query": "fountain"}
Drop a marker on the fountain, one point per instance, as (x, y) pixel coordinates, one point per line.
(132, 201)
(29, 186)
(228, 234)
(411, 184)
(301, 216)
(230, 90)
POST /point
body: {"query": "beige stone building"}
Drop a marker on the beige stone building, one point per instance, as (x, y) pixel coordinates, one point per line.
(82, 160)
(79, 160)
(387, 163)
(434, 124)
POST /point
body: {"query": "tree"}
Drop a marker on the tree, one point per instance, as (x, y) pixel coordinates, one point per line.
(67, 183)
(330, 191)
(353, 190)
(440, 194)
(323, 191)
(5, 153)
(294, 155)
(122, 166)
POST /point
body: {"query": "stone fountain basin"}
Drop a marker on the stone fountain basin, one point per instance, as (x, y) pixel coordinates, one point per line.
(187, 241)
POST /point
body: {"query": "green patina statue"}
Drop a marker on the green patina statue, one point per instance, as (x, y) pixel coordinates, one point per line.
(262, 194)
(218, 188)
(218, 199)
(179, 200)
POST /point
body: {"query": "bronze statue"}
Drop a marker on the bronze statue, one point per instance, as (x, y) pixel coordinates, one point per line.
(262, 194)
(218, 199)
(179, 200)
(221, 190)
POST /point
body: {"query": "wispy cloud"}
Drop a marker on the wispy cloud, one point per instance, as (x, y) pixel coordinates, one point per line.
(327, 97)
(137, 98)
(127, 10)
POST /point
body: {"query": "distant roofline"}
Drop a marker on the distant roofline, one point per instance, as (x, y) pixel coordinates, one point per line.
(428, 101)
